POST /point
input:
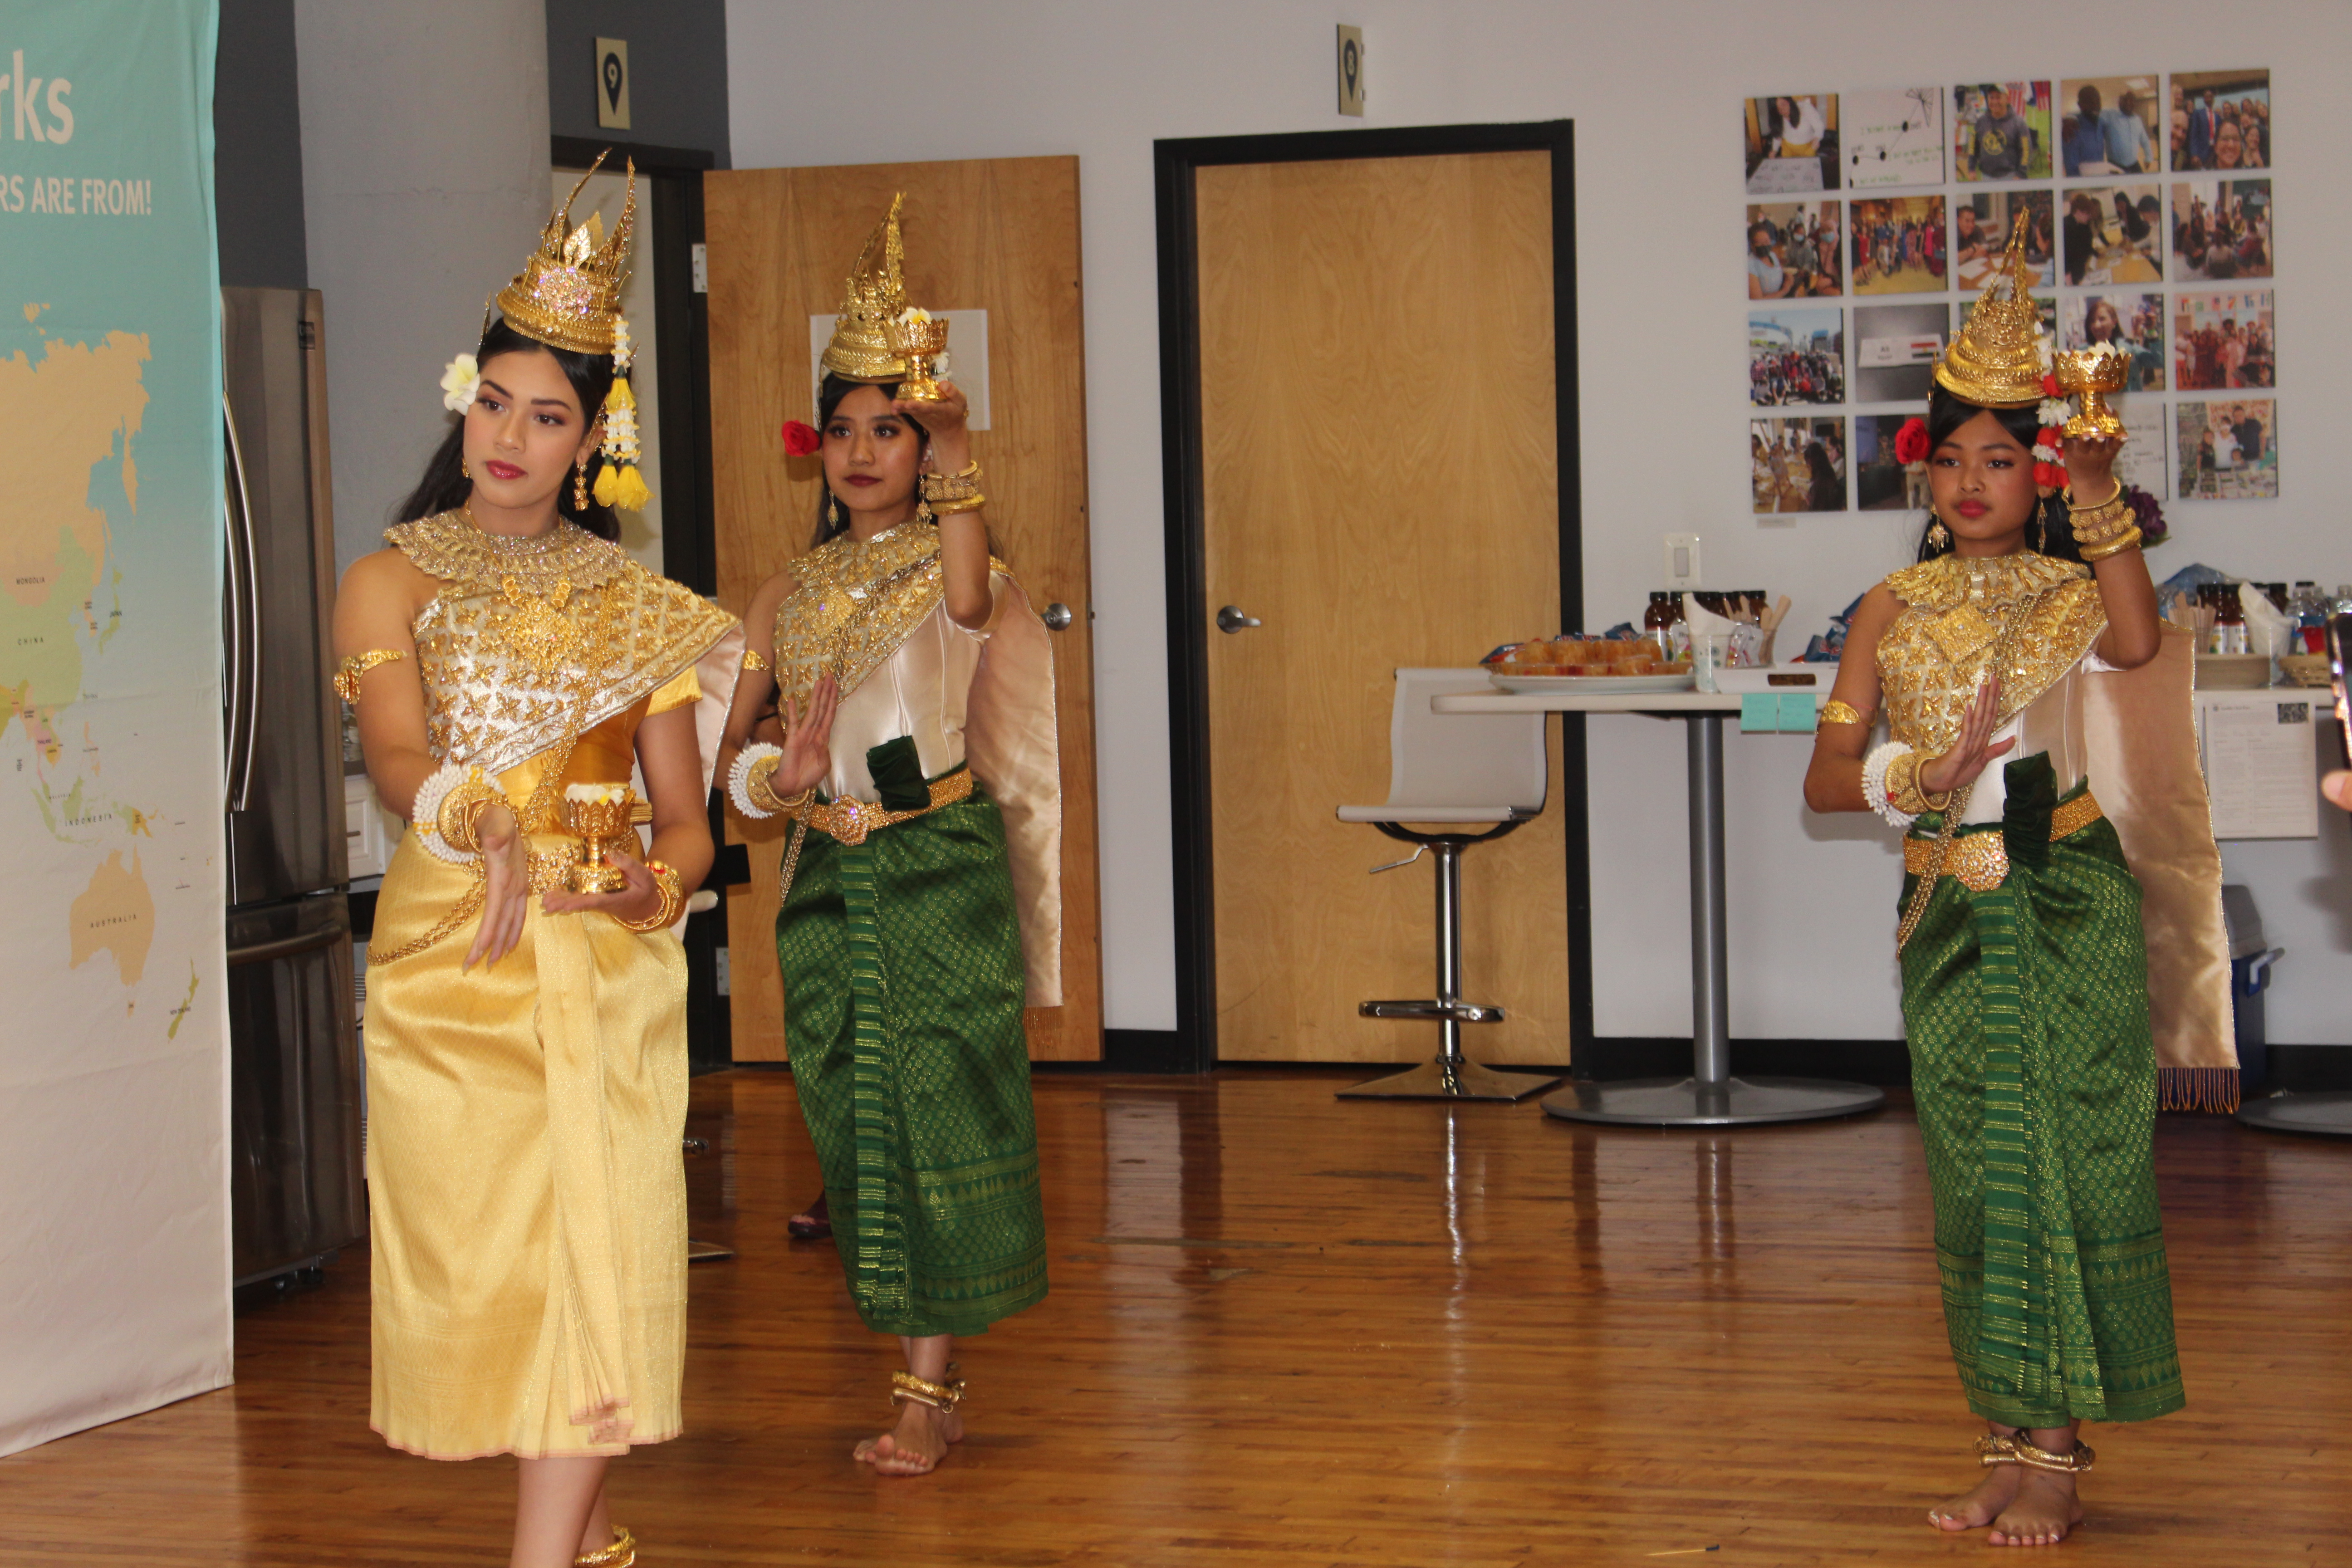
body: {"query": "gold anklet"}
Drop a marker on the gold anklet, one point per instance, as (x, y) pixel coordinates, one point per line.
(622, 1553)
(906, 1387)
(2077, 1463)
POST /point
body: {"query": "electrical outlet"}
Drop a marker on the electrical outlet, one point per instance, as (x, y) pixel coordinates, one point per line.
(1682, 560)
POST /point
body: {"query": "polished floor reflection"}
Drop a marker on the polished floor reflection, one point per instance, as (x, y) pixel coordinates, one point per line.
(1286, 1330)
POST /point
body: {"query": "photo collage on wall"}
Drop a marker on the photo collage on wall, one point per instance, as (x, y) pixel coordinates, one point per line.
(1874, 219)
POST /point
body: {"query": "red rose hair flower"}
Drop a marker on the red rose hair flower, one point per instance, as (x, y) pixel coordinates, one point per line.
(1911, 442)
(799, 440)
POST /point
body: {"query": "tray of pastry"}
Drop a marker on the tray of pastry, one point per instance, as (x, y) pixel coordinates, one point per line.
(1585, 664)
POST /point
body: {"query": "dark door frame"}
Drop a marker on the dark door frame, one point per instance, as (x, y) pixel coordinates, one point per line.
(689, 517)
(1175, 163)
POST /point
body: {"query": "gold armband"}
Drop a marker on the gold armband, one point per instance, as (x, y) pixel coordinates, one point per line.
(1836, 712)
(2114, 546)
(348, 672)
(751, 659)
(672, 900)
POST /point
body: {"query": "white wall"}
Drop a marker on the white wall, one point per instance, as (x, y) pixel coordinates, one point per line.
(425, 181)
(1655, 91)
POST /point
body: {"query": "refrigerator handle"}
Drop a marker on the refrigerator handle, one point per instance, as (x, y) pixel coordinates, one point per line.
(245, 636)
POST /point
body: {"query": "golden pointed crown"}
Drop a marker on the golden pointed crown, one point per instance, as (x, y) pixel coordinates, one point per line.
(1996, 361)
(568, 293)
(874, 297)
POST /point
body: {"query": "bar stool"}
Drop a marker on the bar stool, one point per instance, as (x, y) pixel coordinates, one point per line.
(1452, 768)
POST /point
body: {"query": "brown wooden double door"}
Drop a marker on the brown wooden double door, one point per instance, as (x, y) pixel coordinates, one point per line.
(998, 235)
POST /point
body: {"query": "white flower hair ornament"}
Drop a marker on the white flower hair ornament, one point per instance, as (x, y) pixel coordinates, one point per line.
(459, 382)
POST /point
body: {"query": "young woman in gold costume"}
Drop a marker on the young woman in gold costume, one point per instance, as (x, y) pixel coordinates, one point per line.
(527, 1045)
(918, 772)
(1999, 662)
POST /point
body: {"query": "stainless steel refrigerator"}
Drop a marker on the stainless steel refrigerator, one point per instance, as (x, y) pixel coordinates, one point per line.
(297, 1195)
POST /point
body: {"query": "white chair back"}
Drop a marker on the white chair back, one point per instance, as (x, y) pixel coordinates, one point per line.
(1462, 760)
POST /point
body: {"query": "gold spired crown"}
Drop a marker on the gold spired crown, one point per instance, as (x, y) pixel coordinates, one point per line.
(872, 299)
(1996, 361)
(568, 293)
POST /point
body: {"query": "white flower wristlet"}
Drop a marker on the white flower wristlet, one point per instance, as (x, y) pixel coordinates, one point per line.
(739, 778)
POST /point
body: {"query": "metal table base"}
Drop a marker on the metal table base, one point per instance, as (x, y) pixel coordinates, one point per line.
(1458, 1079)
(2327, 1114)
(1710, 1096)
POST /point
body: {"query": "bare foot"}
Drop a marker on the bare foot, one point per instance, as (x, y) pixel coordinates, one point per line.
(1976, 1509)
(2043, 1510)
(916, 1446)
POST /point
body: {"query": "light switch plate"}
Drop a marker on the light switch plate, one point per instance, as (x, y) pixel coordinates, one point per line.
(1683, 568)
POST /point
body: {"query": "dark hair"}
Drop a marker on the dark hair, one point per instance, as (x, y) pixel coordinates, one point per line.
(829, 393)
(1946, 413)
(445, 486)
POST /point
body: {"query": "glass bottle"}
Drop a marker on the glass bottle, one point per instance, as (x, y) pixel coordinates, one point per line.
(1657, 622)
(2229, 619)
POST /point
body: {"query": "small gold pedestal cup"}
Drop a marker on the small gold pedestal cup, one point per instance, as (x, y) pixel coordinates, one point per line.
(599, 825)
(2092, 376)
(917, 342)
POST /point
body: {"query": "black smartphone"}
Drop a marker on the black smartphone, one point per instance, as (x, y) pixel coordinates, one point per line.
(2339, 642)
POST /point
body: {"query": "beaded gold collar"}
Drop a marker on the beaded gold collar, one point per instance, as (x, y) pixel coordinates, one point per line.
(1950, 580)
(853, 603)
(448, 546)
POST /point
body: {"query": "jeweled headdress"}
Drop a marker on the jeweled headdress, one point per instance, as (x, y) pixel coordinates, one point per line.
(874, 297)
(1996, 361)
(569, 292)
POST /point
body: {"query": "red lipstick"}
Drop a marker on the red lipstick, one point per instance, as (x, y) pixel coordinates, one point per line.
(498, 470)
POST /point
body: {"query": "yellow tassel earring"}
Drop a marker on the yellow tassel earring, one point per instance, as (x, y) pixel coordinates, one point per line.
(618, 483)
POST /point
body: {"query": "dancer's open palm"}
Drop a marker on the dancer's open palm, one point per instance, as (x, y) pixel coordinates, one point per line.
(808, 738)
(1974, 749)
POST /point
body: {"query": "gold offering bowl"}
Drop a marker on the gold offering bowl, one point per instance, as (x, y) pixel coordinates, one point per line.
(918, 341)
(2093, 376)
(599, 824)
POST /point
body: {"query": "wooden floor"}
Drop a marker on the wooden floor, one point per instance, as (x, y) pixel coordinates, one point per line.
(1289, 1330)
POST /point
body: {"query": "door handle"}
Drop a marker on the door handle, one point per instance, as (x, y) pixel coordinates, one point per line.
(1231, 620)
(1056, 618)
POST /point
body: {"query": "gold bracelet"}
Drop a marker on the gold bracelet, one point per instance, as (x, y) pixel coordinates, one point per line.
(760, 788)
(664, 880)
(459, 820)
(1903, 789)
(2129, 540)
(972, 502)
(961, 486)
(1836, 712)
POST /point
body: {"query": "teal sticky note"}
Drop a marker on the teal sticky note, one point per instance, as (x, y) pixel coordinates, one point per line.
(1801, 713)
(1760, 711)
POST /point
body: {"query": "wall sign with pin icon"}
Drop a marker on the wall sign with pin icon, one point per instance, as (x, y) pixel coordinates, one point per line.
(612, 84)
(1351, 71)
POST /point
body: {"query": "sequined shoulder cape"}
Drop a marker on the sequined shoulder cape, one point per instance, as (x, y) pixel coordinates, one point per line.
(530, 640)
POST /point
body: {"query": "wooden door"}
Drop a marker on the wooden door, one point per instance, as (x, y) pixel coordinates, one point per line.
(999, 235)
(1380, 485)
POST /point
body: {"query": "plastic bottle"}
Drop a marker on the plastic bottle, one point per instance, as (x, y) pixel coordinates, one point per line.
(2310, 617)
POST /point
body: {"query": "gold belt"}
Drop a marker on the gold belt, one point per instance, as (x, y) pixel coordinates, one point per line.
(849, 821)
(1981, 860)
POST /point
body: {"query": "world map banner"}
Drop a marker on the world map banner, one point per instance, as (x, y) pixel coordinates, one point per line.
(113, 1167)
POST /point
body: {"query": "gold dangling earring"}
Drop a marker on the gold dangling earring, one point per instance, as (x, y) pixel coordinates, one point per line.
(831, 509)
(923, 509)
(580, 485)
(1937, 534)
(463, 471)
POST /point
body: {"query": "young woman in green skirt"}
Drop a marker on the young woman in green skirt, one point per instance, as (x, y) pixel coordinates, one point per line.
(1999, 660)
(917, 770)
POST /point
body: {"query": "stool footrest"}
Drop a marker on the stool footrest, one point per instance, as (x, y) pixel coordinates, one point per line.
(1460, 1012)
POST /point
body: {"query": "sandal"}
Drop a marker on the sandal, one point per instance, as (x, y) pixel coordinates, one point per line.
(622, 1553)
(814, 1223)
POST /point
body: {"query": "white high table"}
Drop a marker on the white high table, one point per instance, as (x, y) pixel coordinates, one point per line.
(1710, 1096)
